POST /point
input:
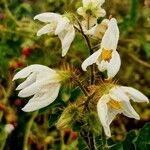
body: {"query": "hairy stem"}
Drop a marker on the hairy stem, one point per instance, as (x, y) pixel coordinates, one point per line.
(88, 138)
(84, 90)
(92, 74)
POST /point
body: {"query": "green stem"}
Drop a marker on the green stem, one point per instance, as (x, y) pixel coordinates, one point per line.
(104, 141)
(28, 129)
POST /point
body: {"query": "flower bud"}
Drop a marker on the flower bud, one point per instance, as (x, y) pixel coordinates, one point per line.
(8, 128)
(70, 115)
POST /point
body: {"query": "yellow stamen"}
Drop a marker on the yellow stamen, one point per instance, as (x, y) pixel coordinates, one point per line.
(106, 54)
(114, 104)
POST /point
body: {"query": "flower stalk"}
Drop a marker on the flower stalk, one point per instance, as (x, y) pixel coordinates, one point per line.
(28, 129)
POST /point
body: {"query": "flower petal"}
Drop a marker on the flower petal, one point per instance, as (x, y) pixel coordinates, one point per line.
(62, 25)
(100, 12)
(49, 28)
(113, 65)
(31, 79)
(118, 94)
(33, 88)
(111, 36)
(81, 11)
(66, 39)
(39, 102)
(102, 110)
(134, 94)
(32, 68)
(86, 2)
(111, 114)
(129, 111)
(102, 66)
(91, 60)
(48, 17)
(38, 85)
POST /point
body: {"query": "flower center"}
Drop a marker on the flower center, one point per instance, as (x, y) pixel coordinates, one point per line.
(89, 12)
(106, 54)
(114, 104)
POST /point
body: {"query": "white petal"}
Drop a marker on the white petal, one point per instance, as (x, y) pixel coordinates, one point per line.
(118, 94)
(67, 39)
(102, 66)
(129, 111)
(33, 88)
(101, 2)
(102, 110)
(62, 25)
(32, 68)
(100, 12)
(113, 65)
(134, 94)
(111, 114)
(31, 79)
(91, 60)
(92, 30)
(111, 36)
(39, 102)
(46, 29)
(86, 2)
(48, 17)
(81, 11)
(39, 84)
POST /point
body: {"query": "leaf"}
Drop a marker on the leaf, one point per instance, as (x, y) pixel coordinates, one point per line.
(81, 144)
(75, 93)
(143, 139)
(147, 49)
(128, 143)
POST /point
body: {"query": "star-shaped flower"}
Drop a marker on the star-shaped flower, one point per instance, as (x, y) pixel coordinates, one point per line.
(117, 101)
(107, 58)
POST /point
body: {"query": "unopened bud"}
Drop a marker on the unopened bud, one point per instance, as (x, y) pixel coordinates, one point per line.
(68, 117)
(8, 128)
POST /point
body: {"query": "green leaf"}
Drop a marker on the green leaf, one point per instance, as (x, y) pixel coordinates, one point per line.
(147, 49)
(143, 139)
(128, 143)
(81, 144)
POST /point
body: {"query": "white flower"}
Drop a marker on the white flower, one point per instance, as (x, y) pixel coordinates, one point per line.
(92, 7)
(107, 58)
(91, 11)
(8, 128)
(42, 83)
(57, 25)
(98, 30)
(117, 101)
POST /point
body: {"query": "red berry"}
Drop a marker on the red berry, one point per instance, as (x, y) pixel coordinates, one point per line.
(18, 102)
(74, 135)
(2, 107)
(19, 64)
(26, 52)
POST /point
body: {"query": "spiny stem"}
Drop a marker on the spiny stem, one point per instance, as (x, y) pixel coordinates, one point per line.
(28, 129)
(92, 75)
(84, 90)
